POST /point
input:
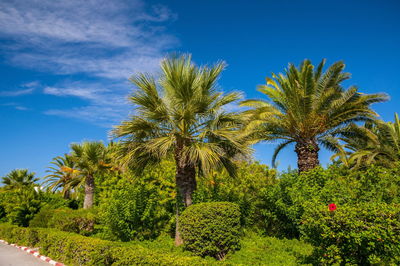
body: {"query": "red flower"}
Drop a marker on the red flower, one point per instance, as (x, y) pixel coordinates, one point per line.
(332, 207)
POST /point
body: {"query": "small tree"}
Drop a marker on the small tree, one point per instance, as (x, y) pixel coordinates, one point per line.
(91, 159)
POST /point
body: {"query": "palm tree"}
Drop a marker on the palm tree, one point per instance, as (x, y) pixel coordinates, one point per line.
(308, 107)
(63, 175)
(90, 159)
(373, 143)
(18, 179)
(182, 116)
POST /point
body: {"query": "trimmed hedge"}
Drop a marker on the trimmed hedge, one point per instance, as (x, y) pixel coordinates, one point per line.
(73, 249)
(211, 229)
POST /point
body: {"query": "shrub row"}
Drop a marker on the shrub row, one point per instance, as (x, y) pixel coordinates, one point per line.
(73, 249)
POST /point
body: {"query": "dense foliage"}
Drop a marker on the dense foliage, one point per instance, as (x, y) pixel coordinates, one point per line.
(365, 234)
(211, 229)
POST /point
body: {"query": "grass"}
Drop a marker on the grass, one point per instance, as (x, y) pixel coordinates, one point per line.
(255, 250)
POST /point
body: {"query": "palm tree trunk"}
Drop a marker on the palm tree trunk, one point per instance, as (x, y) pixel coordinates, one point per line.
(67, 194)
(307, 155)
(185, 182)
(89, 192)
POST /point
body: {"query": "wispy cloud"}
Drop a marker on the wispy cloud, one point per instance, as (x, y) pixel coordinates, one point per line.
(16, 92)
(98, 40)
(101, 115)
(16, 106)
(24, 89)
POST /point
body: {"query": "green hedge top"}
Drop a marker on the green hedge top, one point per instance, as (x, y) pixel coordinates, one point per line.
(211, 229)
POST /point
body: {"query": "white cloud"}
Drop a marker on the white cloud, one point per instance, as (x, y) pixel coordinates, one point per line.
(14, 93)
(108, 104)
(104, 116)
(109, 39)
(21, 108)
(75, 90)
(26, 88)
(110, 23)
(15, 106)
(98, 40)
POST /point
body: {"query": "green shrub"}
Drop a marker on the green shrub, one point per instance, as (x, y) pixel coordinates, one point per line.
(77, 221)
(42, 218)
(243, 190)
(20, 206)
(362, 234)
(135, 212)
(211, 229)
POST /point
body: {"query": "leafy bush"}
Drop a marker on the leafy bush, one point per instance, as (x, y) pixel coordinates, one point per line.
(211, 229)
(77, 221)
(56, 200)
(243, 190)
(20, 205)
(362, 234)
(42, 218)
(135, 213)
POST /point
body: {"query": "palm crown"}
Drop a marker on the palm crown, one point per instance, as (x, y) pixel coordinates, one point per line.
(375, 142)
(64, 175)
(308, 106)
(19, 178)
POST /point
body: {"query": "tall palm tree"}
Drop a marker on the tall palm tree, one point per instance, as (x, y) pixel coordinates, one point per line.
(18, 179)
(308, 107)
(90, 158)
(373, 143)
(63, 175)
(183, 116)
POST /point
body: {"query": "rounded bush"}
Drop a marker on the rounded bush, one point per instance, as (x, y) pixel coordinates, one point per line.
(211, 229)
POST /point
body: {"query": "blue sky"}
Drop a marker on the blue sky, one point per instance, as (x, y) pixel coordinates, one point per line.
(65, 64)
